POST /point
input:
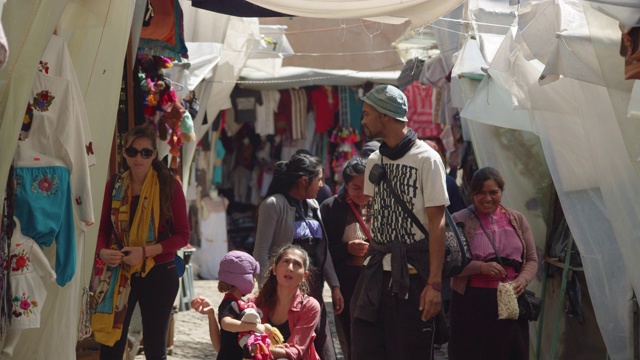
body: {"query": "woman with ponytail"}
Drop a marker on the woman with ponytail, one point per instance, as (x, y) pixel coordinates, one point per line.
(143, 223)
(290, 215)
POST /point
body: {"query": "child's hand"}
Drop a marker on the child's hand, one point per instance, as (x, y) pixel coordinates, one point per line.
(260, 328)
(203, 306)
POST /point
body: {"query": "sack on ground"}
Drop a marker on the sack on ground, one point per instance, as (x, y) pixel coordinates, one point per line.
(507, 302)
(529, 306)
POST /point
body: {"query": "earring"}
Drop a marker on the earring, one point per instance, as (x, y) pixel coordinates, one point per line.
(304, 287)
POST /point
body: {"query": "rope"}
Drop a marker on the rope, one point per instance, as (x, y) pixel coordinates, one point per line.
(84, 326)
(84, 322)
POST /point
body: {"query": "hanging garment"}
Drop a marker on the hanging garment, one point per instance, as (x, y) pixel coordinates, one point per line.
(27, 289)
(326, 102)
(420, 112)
(298, 113)
(265, 112)
(217, 163)
(410, 72)
(245, 103)
(43, 207)
(282, 118)
(165, 34)
(58, 123)
(355, 109)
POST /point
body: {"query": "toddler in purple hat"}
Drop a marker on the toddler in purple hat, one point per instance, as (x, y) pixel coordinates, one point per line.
(236, 279)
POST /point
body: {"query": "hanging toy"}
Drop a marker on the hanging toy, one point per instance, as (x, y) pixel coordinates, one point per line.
(186, 127)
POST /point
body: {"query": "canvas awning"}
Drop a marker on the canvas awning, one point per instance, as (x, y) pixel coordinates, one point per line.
(294, 77)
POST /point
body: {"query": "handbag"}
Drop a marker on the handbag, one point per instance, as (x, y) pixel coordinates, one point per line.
(180, 266)
(529, 305)
(457, 250)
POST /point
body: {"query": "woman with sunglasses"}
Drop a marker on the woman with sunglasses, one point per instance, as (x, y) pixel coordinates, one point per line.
(144, 222)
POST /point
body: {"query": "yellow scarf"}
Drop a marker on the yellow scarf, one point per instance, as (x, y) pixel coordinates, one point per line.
(111, 310)
(144, 229)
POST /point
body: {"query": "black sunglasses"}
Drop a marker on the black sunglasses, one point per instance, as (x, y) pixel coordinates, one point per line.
(133, 152)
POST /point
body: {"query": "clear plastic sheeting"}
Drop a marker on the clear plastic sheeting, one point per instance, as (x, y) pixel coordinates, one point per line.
(589, 146)
(528, 186)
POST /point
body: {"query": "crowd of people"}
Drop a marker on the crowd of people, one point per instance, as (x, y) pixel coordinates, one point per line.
(384, 272)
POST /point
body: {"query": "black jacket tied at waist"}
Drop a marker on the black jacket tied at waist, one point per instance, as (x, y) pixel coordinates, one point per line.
(415, 254)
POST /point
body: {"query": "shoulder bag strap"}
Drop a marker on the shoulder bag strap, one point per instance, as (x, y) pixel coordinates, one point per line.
(360, 221)
(414, 218)
(405, 207)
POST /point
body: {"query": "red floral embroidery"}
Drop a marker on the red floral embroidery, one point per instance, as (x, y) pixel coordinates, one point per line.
(42, 101)
(21, 262)
(43, 66)
(45, 184)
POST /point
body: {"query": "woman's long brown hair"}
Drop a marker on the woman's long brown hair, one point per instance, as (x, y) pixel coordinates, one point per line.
(268, 295)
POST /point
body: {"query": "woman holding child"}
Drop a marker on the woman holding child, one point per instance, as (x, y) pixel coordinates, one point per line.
(282, 301)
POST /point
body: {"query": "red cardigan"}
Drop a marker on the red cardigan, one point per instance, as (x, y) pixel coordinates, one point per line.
(170, 245)
(303, 317)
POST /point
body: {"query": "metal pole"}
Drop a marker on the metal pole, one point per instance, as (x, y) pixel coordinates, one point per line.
(563, 289)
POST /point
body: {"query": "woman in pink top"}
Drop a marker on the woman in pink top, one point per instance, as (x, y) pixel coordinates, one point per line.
(476, 332)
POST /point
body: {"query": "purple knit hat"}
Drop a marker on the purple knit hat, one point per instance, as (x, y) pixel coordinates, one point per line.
(238, 268)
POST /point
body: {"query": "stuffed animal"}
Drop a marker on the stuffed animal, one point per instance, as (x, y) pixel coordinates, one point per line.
(255, 345)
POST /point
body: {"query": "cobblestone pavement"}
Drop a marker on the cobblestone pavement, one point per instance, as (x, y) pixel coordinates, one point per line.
(191, 330)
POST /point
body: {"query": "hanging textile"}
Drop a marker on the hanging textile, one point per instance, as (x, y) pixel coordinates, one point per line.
(420, 112)
(56, 122)
(298, 113)
(410, 72)
(265, 112)
(325, 102)
(165, 34)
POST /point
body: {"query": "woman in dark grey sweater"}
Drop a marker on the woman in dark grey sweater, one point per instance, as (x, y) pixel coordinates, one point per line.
(290, 214)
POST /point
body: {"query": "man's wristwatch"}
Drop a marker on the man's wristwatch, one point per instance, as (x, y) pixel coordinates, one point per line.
(436, 285)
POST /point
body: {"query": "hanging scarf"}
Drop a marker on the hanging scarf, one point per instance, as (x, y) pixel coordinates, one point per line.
(402, 148)
(113, 284)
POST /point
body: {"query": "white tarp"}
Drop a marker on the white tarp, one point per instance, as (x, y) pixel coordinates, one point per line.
(238, 37)
(295, 77)
(419, 12)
